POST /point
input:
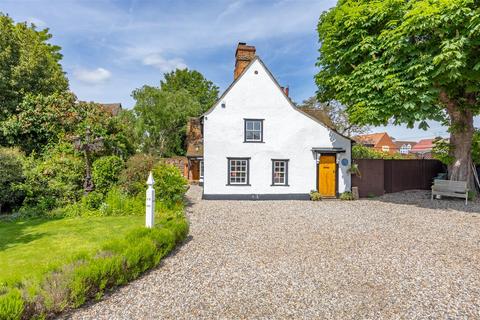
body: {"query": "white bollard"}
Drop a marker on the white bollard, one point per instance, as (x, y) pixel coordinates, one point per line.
(150, 204)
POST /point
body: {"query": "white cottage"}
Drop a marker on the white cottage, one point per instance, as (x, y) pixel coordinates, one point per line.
(258, 145)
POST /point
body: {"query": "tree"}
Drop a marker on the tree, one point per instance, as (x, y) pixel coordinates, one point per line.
(335, 115)
(405, 61)
(29, 64)
(200, 89)
(162, 117)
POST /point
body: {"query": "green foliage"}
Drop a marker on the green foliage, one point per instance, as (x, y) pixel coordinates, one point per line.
(133, 178)
(391, 59)
(162, 118)
(170, 186)
(405, 62)
(40, 121)
(355, 170)
(362, 152)
(347, 195)
(51, 181)
(11, 174)
(11, 304)
(442, 150)
(315, 195)
(29, 64)
(199, 88)
(106, 171)
(114, 203)
(89, 276)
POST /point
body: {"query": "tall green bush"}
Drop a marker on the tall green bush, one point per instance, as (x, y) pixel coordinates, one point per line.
(134, 176)
(53, 180)
(170, 185)
(11, 174)
(106, 171)
(362, 152)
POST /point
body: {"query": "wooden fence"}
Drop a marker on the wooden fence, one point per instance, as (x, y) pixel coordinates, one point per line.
(386, 176)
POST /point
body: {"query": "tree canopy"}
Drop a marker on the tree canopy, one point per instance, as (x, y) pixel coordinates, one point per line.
(405, 62)
(29, 64)
(200, 89)
(162, 118)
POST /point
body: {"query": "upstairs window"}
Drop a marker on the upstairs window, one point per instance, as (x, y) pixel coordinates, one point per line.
(253, 130)
(385, 148)
(279, 172)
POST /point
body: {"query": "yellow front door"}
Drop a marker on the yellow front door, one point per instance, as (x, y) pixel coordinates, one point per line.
(326, 176)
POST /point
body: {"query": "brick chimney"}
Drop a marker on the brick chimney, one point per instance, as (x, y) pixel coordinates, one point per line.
(243, 56)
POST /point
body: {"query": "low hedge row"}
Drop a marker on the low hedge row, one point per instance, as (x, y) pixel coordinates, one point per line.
(88, 276)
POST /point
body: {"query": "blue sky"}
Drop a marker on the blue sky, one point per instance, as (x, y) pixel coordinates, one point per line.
(112, 47)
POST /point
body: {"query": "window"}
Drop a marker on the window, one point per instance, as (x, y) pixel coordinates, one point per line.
(201, 170)
(279, 172)
(405, 149)
(253, 130)
(238, 171)
(385, 148)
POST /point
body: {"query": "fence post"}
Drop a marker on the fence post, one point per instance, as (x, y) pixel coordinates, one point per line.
(150, 202)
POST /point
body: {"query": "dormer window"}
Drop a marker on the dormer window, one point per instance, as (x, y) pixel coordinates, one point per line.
(253, 130)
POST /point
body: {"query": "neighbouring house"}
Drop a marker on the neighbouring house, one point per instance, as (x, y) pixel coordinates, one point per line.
(423, 148)
(258, 145)
(404, 147)
(378, 141)
(113, 108)
(195, 150)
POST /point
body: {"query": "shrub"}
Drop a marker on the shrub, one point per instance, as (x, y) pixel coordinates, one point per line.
(170, 186)
(54, 180)
(11, 174)
(117, 203)
(315, 196)
(347, 195)
(90, 276)
(133, 177)
(362, 152)
(106, 171)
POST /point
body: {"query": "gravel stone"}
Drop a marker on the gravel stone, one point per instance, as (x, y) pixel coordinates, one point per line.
(400, 256)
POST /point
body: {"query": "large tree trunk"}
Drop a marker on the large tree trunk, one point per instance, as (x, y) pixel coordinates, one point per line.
(461, 134)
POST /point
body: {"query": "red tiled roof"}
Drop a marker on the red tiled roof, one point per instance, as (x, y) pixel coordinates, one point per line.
(372, 138)
(424, 145)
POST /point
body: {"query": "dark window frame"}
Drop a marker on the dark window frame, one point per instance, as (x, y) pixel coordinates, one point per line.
(285, 184)
(245, 120)
(247, 180)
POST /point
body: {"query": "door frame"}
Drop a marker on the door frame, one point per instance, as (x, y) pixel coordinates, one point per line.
(317, 165)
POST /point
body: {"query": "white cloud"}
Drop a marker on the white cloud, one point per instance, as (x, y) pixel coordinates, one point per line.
(95, 76)
(162, 64)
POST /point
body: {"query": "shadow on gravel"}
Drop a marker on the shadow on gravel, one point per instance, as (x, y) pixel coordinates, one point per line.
(422, 199)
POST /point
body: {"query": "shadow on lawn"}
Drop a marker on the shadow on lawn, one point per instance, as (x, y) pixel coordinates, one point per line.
(13, 233)
(422, 199)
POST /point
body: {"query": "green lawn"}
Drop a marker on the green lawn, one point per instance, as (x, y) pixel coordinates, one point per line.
(28, 248)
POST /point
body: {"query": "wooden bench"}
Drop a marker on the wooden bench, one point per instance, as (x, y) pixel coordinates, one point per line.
(450, 188)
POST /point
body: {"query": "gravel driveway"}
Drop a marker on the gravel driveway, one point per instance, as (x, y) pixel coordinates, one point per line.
(373, 259)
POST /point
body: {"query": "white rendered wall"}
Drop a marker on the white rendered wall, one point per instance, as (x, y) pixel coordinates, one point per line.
(287, 134)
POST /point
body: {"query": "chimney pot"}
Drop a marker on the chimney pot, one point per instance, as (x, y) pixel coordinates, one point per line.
(243, 56)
